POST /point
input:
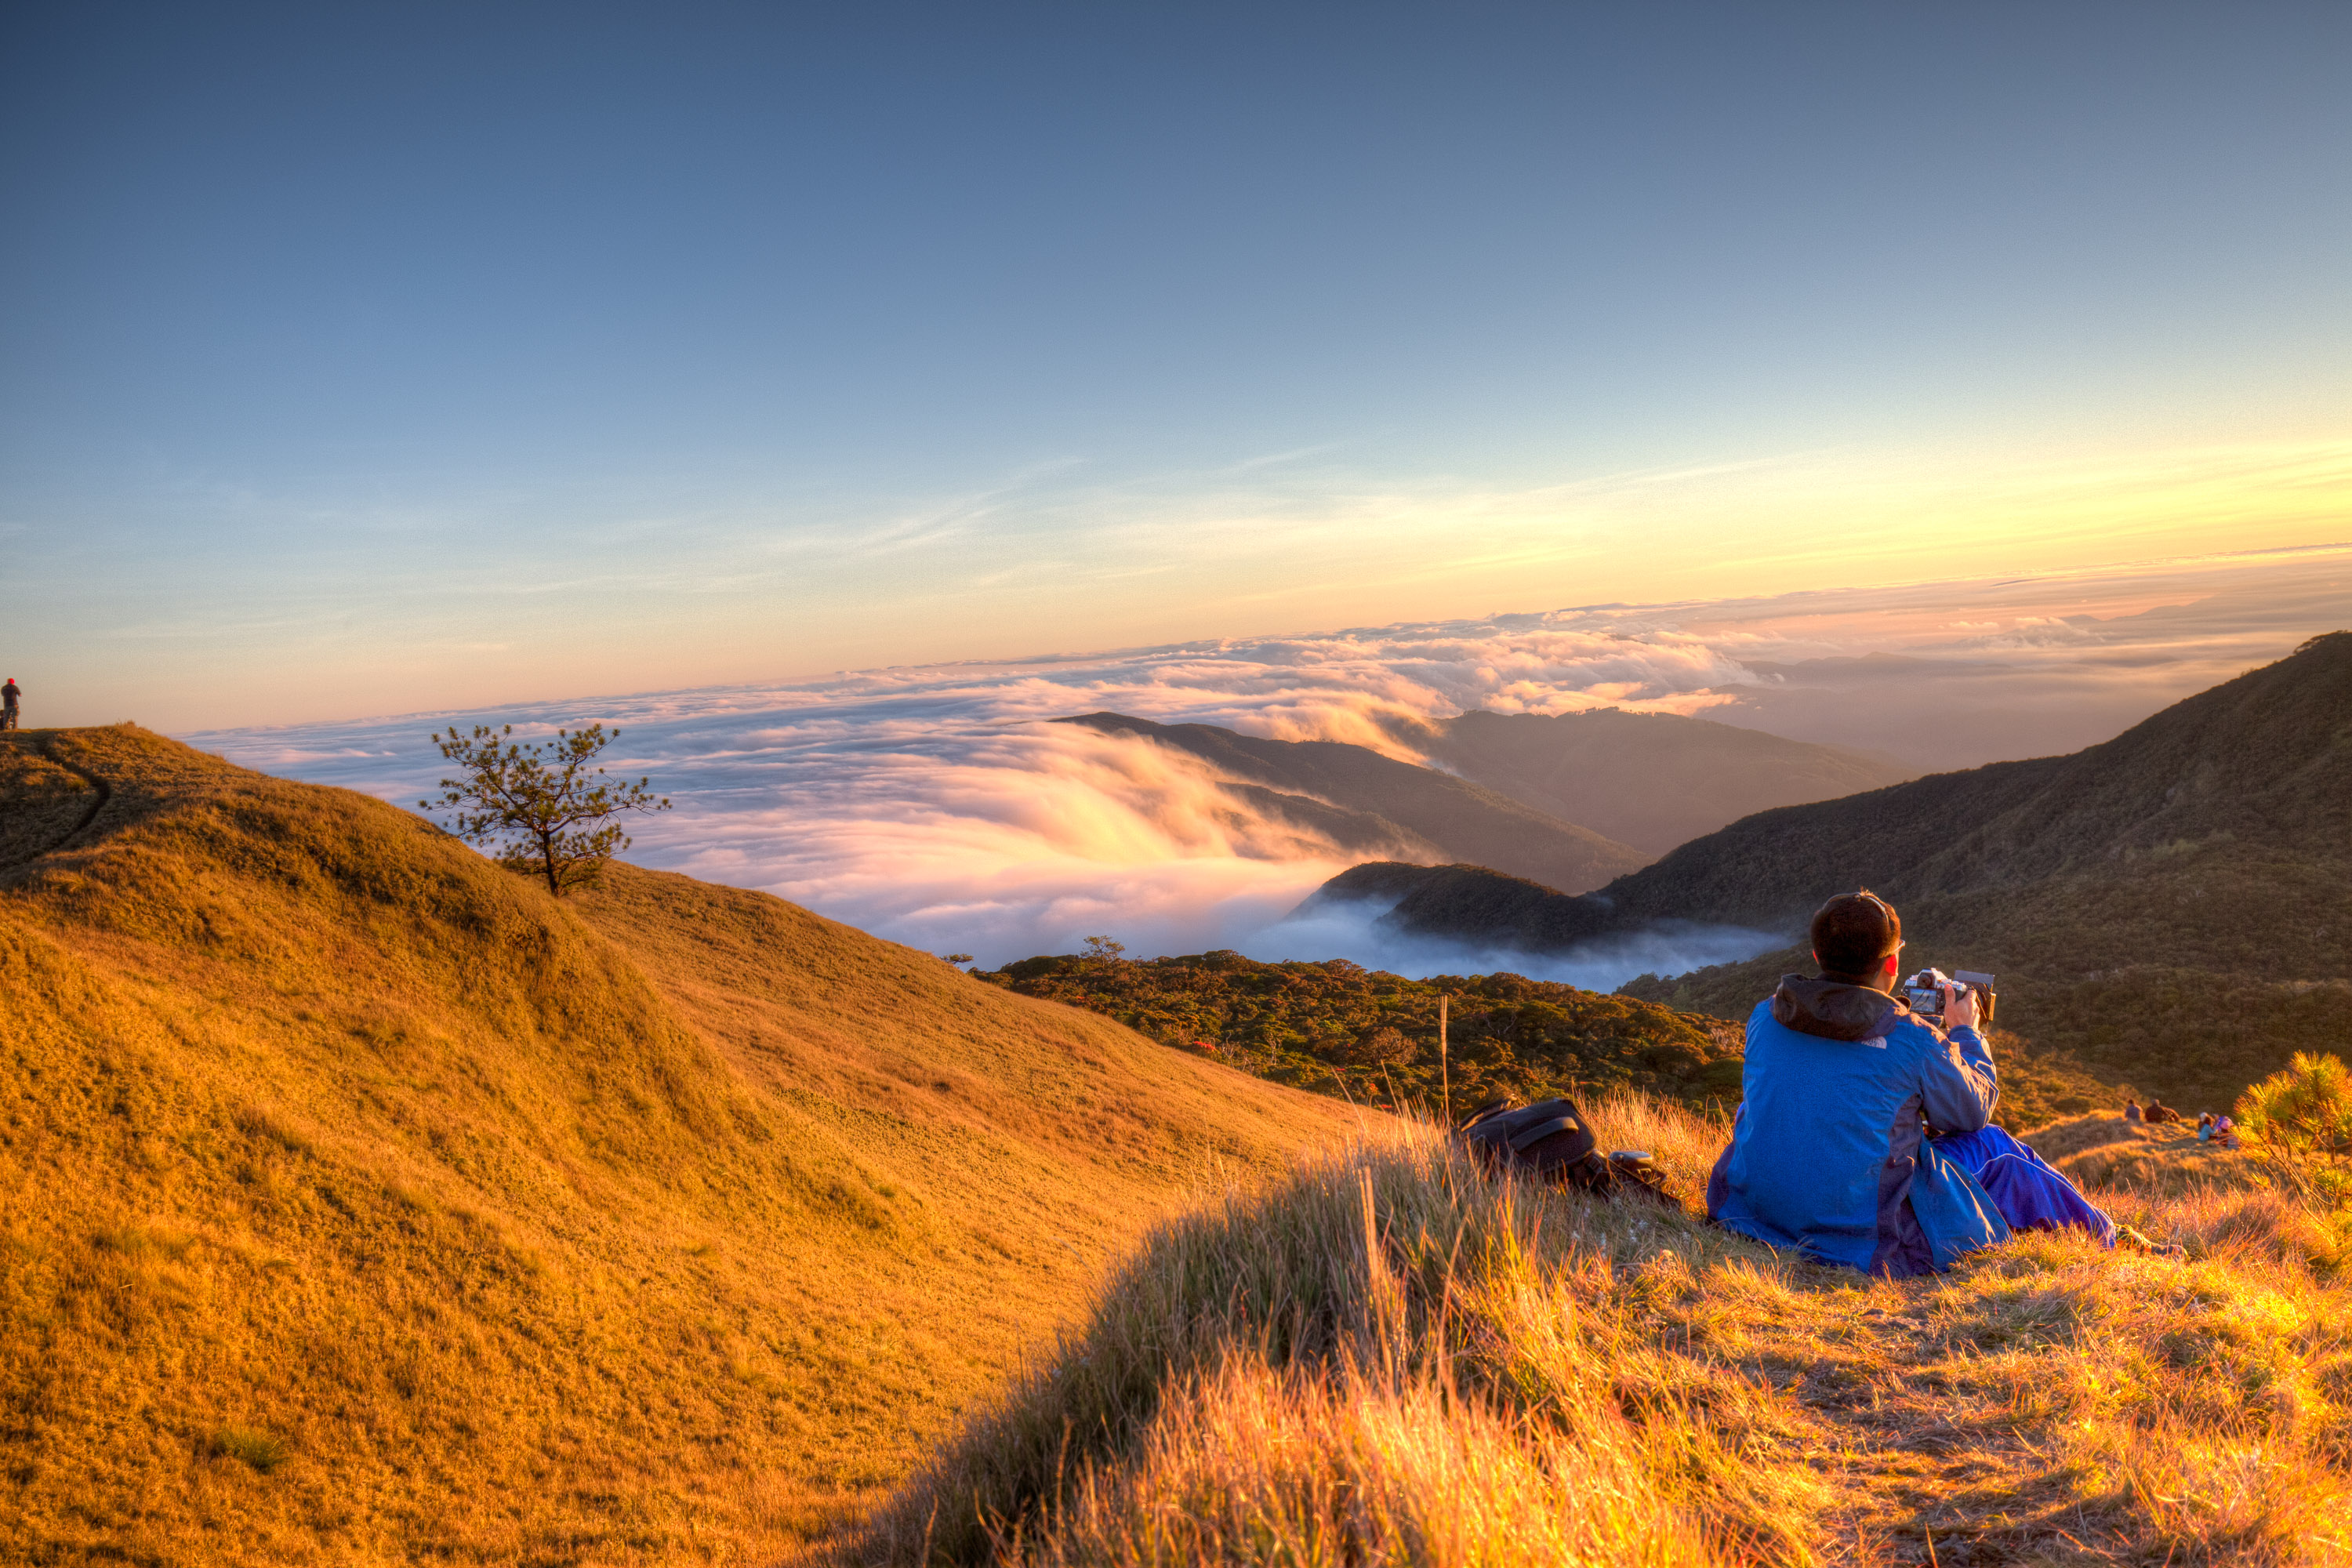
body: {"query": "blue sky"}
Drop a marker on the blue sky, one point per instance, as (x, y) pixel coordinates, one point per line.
(363, 359)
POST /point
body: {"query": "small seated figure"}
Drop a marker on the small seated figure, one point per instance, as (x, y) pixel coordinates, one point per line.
(2159, 1113)
(2204, 1127)
(1864, 1137)
(2132, 1111)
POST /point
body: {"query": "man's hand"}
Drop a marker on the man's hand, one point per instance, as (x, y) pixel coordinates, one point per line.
(1960, 1006)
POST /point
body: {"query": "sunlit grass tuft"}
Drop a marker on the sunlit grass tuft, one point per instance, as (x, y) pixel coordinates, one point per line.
(1384, 1359)
(1250, 1465)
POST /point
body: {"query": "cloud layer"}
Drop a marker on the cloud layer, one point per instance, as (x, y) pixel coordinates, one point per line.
(935, 806)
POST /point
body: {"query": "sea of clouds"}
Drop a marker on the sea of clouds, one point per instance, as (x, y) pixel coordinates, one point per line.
(936, 806)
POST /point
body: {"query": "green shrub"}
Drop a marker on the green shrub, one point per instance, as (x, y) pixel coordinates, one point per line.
(2301, 1121)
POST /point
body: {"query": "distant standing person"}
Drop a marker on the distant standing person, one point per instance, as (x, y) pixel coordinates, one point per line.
(8, 695)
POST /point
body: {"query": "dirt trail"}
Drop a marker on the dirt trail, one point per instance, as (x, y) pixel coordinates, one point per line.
(1932, 1410)
(43, 796)
(104, 792)
(1927, 1454)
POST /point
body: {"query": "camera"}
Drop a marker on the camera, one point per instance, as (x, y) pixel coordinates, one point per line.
(1924, 992)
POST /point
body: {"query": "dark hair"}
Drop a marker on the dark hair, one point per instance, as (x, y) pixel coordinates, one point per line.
(1853, 932)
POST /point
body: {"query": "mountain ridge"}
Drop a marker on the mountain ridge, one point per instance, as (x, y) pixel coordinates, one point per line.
(2206, 851)
(1651, 780)
(1424, 809)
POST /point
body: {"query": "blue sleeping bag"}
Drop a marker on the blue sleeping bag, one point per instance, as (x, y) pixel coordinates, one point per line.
(2030, 1194)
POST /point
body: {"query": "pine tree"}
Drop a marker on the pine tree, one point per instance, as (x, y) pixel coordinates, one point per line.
(540, 805)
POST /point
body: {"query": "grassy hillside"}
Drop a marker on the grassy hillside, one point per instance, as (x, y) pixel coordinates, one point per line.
(359, 1203)
(1385, 1359)
(1356, 795)
(1650, 779)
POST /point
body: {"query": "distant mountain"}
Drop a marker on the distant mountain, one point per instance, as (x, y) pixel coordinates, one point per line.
(2175, 904)
(1650, 779)
(1358, 797)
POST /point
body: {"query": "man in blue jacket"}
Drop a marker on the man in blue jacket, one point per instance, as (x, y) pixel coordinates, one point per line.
(1864, 1129)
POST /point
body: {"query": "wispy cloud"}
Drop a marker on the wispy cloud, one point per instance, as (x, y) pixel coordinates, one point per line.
(934, 804)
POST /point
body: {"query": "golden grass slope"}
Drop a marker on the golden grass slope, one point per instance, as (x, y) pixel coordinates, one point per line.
(1385, 1359)
(359, 1203)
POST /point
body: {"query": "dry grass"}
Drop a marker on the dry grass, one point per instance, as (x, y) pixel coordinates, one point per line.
(1250, 1465)
(1383, 1360)
(2165, 1161)
(361, 1203)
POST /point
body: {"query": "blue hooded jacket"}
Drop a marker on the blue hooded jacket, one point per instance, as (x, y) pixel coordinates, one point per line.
(1829, 1152)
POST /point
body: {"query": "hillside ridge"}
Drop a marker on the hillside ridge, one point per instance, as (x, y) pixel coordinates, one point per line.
(1388, 1358)
(2169, 905)
(360, 1201)
(2264, 760)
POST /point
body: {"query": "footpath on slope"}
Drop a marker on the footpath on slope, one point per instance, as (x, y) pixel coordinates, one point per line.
(1388, 1360)
(51, 801)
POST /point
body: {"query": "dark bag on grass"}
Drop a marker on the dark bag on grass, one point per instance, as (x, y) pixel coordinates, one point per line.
(1551, 1142)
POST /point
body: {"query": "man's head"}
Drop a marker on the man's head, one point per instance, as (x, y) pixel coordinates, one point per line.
(1858, 937)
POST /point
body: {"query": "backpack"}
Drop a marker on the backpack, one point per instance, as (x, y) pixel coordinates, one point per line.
(1551, 1142)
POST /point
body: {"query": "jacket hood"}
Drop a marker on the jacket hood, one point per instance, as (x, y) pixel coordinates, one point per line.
(1833, 1009)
